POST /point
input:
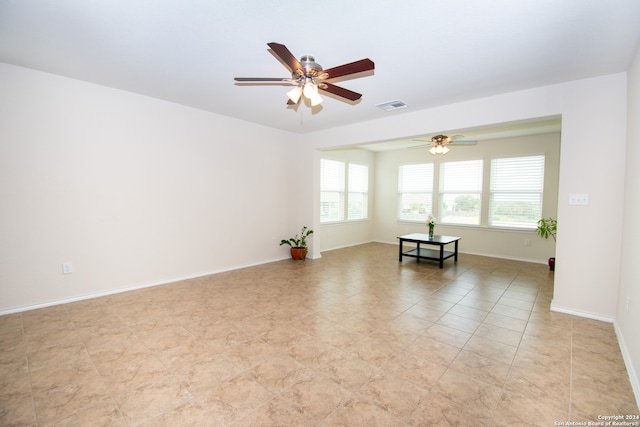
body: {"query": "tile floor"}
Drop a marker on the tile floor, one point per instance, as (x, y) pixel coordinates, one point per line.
(352, 339)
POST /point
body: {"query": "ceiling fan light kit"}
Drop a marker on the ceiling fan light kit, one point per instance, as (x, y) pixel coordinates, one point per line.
(309, 77)
(439, 150)
(439, 144)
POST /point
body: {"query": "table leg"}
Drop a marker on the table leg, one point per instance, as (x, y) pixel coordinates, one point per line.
(400, 252)
(455, 257)
(441, 256)
(418, 252)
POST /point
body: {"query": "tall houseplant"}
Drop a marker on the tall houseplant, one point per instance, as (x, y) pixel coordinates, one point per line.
(547, 227)
(298, 244)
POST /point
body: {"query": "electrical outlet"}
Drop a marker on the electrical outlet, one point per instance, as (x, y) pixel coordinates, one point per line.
(628, 300)
(527, 242)
(67, 267)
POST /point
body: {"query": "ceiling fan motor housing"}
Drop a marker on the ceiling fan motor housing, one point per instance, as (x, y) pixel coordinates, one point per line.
(309, 64)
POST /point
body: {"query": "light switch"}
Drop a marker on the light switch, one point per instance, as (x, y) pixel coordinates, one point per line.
(580, 199)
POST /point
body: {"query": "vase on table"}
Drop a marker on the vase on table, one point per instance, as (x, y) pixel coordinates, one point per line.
(431, 227)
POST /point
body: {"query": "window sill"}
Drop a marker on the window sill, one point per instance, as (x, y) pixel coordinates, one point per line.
(473, 227)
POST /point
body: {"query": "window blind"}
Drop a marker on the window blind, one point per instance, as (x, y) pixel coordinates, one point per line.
(460, 192)
(415, 191)
(517, 185)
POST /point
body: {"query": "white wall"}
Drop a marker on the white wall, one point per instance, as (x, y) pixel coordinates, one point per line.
(628, 317)
(480, 239)
(133, 190)
(589, 237)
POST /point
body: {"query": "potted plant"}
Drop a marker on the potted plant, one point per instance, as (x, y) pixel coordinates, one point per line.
(547, 227)
(298, 244)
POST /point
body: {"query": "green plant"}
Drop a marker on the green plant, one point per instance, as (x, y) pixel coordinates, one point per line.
(547, 227)
(299, 240)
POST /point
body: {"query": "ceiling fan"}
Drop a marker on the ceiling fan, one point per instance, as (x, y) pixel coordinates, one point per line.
(439, 143)
(308, 77)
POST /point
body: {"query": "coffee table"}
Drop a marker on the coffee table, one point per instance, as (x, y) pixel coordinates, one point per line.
(434, 240)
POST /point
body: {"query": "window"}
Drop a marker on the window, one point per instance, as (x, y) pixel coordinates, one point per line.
(335, 202)
(331, 190)
(460, 192)
(358, 199)
(415, 191)
(516, 191)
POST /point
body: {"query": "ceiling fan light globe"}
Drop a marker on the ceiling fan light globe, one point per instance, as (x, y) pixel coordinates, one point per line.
(295, 94)
(310, 90)
(316, 100)
(433, 151)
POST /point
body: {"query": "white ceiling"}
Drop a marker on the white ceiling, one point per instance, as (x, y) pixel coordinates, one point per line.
(427, 52)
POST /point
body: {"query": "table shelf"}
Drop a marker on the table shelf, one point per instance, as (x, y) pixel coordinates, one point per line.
(431, 254)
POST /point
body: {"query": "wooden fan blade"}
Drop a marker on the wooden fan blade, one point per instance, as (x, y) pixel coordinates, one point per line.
(350, 68)
(262, 79)
(340, 91)
(285, 56)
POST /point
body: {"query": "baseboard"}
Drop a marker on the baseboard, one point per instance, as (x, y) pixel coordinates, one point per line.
(628, 361)
(586, 314)
(349, 246)
(129, 288)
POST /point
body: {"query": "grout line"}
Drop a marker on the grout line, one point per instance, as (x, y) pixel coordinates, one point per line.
(26, 355)
(570, 368)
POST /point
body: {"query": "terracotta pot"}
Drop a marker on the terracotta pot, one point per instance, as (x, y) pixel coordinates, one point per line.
(552, 264)
(299, 253)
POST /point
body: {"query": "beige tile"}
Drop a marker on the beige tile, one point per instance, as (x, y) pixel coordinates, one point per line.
(552, 389)
(434, 350)
(316, 398)
(480, 367)
(438, 410)
(59, 391)
(13, 362)
(274, 412)
(448, 335)
(18, 411)
(397, 395)
(457, 322)
(360, 412)
(510, 311)
(153, 398)
(468, 312)
(516, 410)
(104, 413)
(477, 396)
(416, 369)
(503, 353)
(208, 374)
(499, 334)
(350, 371)
(189, 413)
(280, 373)
(507, 322)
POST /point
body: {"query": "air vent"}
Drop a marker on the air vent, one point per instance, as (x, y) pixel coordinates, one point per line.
(392, 105)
